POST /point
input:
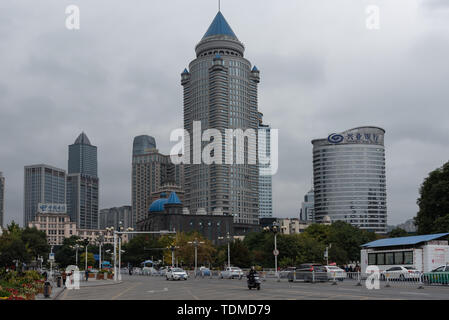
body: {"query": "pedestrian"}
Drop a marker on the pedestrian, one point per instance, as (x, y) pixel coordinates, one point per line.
(64, 277)
(87, 274)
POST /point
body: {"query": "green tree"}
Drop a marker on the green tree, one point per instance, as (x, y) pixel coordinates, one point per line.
(12, 247)
(35, 242)
(397, 233)
(65, 255)
(434, 202)
(90, 260)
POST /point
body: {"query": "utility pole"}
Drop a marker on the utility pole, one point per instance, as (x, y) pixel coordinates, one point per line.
(196, 243)
(228, 238)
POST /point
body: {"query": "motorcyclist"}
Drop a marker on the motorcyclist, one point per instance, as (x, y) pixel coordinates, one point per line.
(252, 273)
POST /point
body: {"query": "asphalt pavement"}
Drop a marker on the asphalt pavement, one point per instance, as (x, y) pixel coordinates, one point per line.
(157, 288)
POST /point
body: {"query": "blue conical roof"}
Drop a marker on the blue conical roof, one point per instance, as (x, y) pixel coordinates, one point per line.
(173, 199)
(220, 27)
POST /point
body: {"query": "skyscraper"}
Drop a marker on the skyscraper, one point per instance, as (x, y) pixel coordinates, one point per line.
(308, 207)
(220, 91)
(42, 184)
(150, 171)
(143, 144)
(265, 177)
(2, 199)
(83, 184)
(349, 178)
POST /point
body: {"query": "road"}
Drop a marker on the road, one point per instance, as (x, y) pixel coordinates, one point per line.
(157, 288)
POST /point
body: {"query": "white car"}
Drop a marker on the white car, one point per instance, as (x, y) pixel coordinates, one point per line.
(231, 273)
(401, 273)
(176, 274)
(334, 272)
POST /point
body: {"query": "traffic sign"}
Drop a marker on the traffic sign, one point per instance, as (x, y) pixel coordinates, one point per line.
(51, 256)
(276, 252)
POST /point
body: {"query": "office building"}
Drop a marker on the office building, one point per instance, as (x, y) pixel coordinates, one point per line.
(349, 178)
(308, 207)
(221, 92)
(83, 184)
(150, 171)
(43, 184)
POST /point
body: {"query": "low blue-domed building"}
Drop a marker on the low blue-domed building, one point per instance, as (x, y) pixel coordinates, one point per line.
(167, 213)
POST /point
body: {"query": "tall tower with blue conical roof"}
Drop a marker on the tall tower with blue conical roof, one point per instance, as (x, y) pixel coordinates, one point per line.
(220, 91)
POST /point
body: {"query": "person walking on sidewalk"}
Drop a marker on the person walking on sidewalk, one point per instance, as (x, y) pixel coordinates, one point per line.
(86, 273)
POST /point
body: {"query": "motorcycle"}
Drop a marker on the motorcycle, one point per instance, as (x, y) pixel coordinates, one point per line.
(253, 282)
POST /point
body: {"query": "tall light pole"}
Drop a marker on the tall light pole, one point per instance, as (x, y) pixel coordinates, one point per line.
(120, 233)
(228, 238)
(86, 243)
(275, 229)
(196, 243)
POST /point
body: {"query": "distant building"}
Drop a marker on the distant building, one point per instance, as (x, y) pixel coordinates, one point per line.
(42, 184)
(57, 227)
(307, 212)
(143, 145)
(265, 176)
(83, 183)
(150, 171)
(2, 199)
(167, 213)
(292, 226)
(111, 217)
(349, 178)
(408, 226)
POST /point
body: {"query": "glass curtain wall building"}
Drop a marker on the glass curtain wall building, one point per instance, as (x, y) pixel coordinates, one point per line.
(349, 178)
(83, 184)
(42, 184)
(265, 177)
(220, 91)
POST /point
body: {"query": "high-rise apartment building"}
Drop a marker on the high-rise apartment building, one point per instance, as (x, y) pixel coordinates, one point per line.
(83, 184)
(349, 178)
(265, 176)
(2, 199)
(220, 92)
(150, 171)
(42, 184)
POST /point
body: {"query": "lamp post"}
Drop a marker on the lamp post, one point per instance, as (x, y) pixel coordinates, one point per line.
(228, 238)
(196, 243)
(86, 243)
(275, 229)
(120, 233)
(100, 241)
(76, 247)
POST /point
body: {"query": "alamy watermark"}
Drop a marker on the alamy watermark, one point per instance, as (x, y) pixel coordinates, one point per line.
(72, 21)
(238, 147)
(73, 278)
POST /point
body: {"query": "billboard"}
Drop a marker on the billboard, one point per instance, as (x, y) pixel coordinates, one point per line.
(52, 208)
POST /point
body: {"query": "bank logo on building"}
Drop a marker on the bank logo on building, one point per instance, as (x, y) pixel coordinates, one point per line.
(335, 138)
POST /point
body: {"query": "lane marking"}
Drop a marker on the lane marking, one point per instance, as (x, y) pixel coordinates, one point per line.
(123, 292)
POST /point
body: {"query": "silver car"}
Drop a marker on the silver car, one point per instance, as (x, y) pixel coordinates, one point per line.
(231, 273)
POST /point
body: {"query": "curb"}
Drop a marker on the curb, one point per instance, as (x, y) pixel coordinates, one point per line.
(60, 292)
(102, 285)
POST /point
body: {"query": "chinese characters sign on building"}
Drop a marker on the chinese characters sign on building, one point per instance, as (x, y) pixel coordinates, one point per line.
(52, 208)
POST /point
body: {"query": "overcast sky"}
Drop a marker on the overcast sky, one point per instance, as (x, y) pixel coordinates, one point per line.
(322, 71)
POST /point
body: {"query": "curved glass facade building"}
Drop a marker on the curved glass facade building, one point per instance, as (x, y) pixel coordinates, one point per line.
(143, 144)
(349, 178)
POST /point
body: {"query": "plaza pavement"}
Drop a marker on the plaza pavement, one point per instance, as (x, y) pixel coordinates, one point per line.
(157, 288)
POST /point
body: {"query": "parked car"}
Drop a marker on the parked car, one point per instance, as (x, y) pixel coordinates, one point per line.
(308, 272)
(203, 272)
(176, 274)
(334, 272)
(400, 273)
(438, 275)
(231, 273)
(285, 272)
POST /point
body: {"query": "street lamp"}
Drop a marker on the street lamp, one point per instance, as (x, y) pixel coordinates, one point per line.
(86, 243)
(76, 247)
(228, 237)
(275, 229)
(196, 243)
(120, 233)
